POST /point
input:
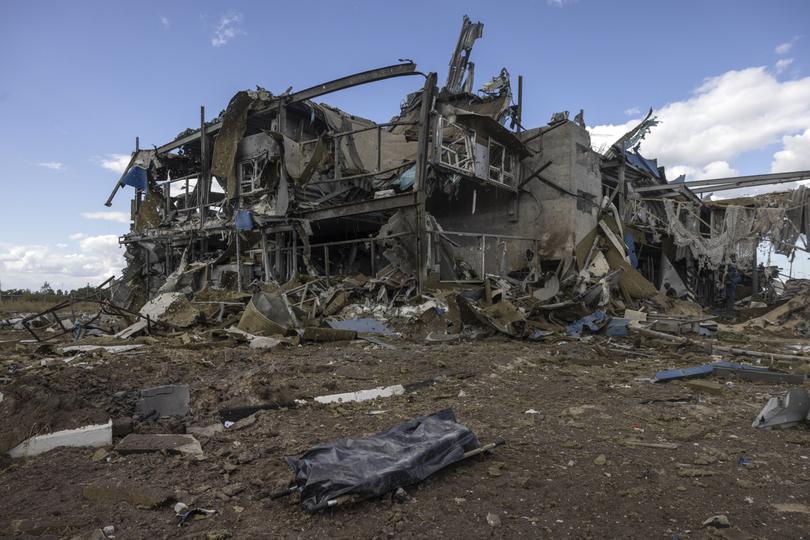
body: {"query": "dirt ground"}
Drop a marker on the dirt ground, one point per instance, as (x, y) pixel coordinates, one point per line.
(566, 409)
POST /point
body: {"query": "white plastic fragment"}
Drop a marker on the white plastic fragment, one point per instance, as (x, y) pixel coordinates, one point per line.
(94, 435)
(363, 395)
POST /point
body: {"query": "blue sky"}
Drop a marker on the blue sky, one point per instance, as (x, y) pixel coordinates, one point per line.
(81, 79)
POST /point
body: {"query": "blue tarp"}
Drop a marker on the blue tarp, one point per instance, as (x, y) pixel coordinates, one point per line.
(593, 322)
(640, 162)
(243, 220)
(362, 326)
(630, 243)
(136, 177)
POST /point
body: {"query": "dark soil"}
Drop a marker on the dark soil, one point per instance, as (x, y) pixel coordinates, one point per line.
(566, 471)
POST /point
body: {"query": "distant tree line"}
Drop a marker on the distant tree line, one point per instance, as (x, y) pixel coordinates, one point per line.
(46, 293)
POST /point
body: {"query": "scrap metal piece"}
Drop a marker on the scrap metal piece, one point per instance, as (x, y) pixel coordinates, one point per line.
(685, 373)
(784, 412)
(362, 326)
(268, 314)
(461, 56)
(170, 400)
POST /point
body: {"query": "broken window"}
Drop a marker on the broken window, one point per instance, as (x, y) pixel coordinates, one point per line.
(250, 174)
(500, 164)
(456, 149)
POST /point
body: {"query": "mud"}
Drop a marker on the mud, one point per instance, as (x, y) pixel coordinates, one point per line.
(575, 415)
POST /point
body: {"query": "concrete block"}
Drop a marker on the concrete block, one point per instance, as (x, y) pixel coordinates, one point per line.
(136, 443)
(95, 435)
(171, 400)
(312, 333)
(705, 386)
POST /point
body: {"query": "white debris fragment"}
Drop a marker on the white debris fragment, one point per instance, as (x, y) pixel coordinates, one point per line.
(95, 435)
(363, 395)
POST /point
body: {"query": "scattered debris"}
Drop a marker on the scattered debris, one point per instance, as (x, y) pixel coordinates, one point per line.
(718, 522)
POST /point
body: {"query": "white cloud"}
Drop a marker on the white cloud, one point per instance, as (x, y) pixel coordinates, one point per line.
(715, 169)
(165, 22)
(795, 155)
(115, 162)
(118, 217)
(560, 3)
(94, 259)
(784, 48)
(77, 236)
(227, 29)
(728, 115)
(53, 165)
(782, 64)
(632, 111)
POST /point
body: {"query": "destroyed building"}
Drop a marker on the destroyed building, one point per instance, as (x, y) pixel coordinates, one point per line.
(281, 189)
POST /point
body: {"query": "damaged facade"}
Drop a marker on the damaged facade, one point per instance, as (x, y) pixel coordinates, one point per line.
(454, 189)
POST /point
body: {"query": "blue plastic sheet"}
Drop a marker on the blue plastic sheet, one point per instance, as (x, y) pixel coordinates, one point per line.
(630, 243)
(243, 220)
(362, 326)
(593, 322)
(136, 177)
(640, 162)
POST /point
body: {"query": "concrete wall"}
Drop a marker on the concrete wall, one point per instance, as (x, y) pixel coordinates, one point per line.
(558, 220)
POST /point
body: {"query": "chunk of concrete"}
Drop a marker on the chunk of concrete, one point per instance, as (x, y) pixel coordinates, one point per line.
(95, 435)
(313, 333)
(136, 443)
(170, 400)
(708, 387)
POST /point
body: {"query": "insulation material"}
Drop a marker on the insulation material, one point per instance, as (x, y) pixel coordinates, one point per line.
(712, 252)
(630, 280)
